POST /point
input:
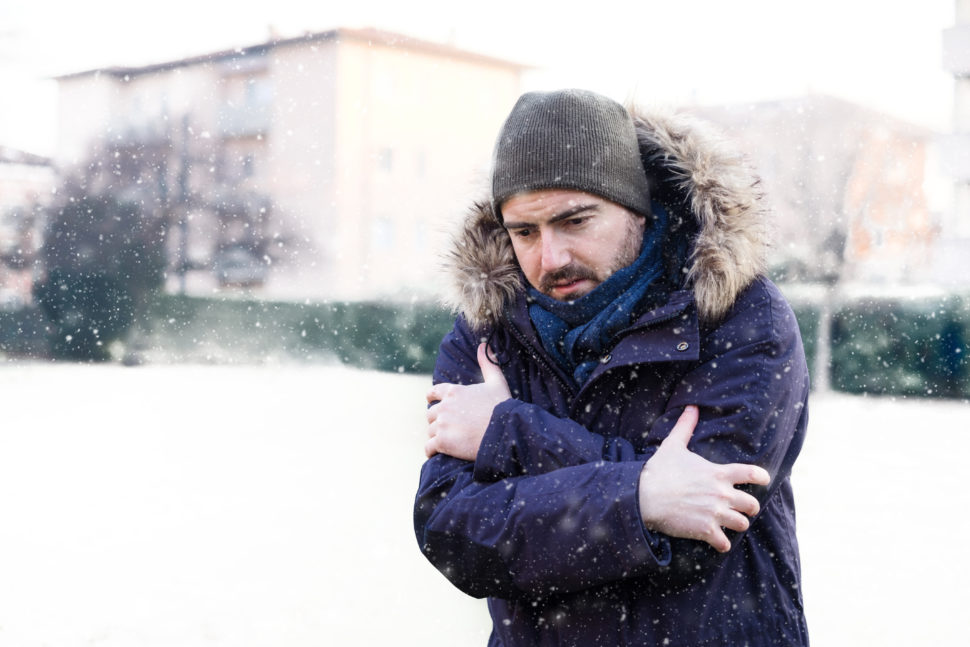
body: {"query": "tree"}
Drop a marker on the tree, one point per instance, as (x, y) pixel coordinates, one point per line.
(842, 181)
(103, 256)
(121, 225)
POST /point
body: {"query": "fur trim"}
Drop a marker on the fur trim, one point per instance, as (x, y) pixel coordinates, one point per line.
(723, 194)
(484, 274)
(725, 197)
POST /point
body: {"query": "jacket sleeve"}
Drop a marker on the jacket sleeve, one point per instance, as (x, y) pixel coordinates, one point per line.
(523, 438)
(558, 531)
(563, 531)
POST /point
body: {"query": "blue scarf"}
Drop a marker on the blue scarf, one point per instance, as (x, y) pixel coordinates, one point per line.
(578, 333)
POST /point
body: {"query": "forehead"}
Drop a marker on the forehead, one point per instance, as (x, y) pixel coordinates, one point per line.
(535, 206)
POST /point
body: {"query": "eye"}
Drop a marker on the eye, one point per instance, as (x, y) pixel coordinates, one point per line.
(522, 232)
(577, 221)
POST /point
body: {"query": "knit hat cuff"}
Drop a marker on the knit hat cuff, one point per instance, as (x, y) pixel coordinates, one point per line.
(570, 139)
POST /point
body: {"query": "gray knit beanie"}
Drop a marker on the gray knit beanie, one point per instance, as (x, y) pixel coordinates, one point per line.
(569, 139)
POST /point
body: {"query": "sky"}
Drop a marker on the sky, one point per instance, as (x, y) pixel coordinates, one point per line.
(886, 56)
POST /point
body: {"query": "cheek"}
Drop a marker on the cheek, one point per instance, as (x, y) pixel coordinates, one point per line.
(600, 251)
(592, 254)
(529, 261)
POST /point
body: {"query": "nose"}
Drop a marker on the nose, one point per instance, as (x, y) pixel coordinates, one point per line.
(555, 253)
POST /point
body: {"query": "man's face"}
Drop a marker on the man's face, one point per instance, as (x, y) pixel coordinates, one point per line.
(568, 242)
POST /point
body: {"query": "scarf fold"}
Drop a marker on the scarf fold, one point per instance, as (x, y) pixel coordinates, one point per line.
(577, 334)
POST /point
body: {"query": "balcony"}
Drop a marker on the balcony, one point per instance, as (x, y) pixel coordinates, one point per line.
(956, 50)
(246, 120)
(139, 129)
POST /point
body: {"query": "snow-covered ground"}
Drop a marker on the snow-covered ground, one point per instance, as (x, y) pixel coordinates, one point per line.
(271, 506)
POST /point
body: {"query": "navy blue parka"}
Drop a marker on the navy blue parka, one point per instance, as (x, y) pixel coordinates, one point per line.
(546, 521)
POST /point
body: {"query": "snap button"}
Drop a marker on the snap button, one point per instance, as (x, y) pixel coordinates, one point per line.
(682, 346)
(606, 358)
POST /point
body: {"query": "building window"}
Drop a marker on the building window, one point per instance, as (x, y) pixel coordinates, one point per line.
(382, 234)
(259, 92)
(385, 160)
(421, 164)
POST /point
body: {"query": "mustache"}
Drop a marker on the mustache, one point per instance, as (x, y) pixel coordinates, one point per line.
(565, 274)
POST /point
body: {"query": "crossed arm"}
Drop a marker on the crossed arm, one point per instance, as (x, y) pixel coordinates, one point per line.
(680, 493)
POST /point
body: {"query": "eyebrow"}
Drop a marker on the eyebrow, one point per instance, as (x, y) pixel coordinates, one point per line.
(565, 215)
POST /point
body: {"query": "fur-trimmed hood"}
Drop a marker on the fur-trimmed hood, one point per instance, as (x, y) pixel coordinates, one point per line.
(693, 172)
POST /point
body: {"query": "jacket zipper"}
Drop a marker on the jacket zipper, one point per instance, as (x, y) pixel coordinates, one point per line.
(539, 355)
(625, 332)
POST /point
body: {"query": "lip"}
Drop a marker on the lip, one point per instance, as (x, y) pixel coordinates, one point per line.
(565, 289)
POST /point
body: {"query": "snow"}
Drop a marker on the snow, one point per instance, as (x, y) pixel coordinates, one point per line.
(880, 490)
(247, 505)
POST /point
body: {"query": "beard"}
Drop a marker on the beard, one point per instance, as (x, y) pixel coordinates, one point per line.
(628, 252)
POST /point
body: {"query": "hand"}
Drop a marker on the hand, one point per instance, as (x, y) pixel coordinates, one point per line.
(458, 421)
(684, 495)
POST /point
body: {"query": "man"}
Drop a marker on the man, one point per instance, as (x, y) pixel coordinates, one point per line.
(613, 310)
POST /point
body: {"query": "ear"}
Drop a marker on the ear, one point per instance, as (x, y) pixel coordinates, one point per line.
(640, 222)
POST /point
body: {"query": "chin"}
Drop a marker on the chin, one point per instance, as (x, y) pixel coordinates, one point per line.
(573, 295)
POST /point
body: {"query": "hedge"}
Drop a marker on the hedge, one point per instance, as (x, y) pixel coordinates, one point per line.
(24, 332)
(382, 336)
(902, 347)
(807, 317)
(906, 347)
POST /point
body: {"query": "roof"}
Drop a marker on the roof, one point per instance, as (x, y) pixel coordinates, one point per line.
(822, 107)
(369, 36)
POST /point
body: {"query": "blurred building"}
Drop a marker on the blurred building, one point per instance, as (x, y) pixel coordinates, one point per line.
(848, 187)
(323, 166)
(955, 247)
(26, 183)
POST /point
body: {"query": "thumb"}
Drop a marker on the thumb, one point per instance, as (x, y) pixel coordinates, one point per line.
(684, 428)
(490, 372)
